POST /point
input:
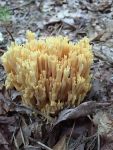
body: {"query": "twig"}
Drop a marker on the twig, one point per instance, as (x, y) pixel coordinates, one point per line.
(91, 142)
(71, 133)
(41, 144)
(9, 33)
(21, 132)
(16, 144)
(54, 31)
(89, 138)
(31, 147)
(44, 146)
(59, 31)
(98, 142)
(12, 138)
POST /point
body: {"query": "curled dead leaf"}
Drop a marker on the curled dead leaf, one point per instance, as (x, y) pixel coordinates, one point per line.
(82, 110)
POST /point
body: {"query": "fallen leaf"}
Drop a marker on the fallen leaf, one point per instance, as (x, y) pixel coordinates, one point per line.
(7, 120)
(26, 131)
(61, 144)
(67, 116)
(3, 140)
(70, 22)
(53, 20)
(82, 110)
(7, 128)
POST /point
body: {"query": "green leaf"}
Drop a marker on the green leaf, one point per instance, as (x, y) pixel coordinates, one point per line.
(5, 14)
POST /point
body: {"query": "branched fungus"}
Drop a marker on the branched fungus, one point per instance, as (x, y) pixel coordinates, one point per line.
(50, 73)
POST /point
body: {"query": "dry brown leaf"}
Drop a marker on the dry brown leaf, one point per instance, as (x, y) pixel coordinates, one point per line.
(26, 131)
(82, 110)
(3, 142)
(96, 36)
(7, 120)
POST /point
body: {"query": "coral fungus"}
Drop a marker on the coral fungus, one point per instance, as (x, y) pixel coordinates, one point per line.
(50, 73)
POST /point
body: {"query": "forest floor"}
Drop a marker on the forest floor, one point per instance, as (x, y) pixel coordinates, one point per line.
(26, 129)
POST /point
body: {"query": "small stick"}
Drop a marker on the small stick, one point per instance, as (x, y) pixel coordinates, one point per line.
(59, 31)
(41, 144)
(71, 133)
(44, 146)
(9, 34)
(22, 136)
(98, 141)
(16, 144)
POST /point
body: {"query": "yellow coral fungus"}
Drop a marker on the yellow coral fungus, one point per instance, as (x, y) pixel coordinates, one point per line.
(50, 73)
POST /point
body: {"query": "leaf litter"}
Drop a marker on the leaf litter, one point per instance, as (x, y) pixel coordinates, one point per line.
(88, 126)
